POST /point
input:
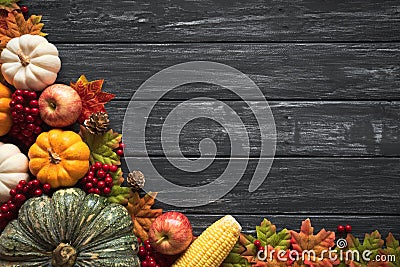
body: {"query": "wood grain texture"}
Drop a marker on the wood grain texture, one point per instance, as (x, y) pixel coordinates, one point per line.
(216, 21)
(296, 186)
(361, 224)
(303, 128)
(281, 71)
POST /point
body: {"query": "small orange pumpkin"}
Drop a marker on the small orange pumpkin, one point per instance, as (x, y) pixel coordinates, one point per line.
(5, 116)
(59, 158)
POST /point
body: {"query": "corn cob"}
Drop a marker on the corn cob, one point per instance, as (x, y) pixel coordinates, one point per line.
(212, 247)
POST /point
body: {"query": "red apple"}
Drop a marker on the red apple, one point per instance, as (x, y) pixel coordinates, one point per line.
(60, 105)
(171, 233)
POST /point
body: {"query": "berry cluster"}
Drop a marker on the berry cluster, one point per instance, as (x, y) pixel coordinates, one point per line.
(257, 244)
(343, 230)
(120, 149)
(23, 191)
(146, 255)
(25, 115)
(99, 179)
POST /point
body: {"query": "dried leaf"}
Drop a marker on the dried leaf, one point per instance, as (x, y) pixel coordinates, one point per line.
(93, 99)
(15, 25)
(306, 240)
(101, 146)
(142, 214)
(267, 235)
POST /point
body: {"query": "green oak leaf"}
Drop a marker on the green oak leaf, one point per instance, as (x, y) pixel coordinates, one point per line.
(101, 146)
(267, 235)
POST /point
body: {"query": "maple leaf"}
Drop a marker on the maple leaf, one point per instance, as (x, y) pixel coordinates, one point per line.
(243, 247)
(93, 99)
(101, 146)
(267, 235)
(392, 250)
(372, 243)
(120, 195)
(318, 244)
(9, 5)
(15, 25)
(142, 214)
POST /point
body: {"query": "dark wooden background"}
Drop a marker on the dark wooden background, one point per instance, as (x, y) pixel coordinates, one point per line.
(329, 69)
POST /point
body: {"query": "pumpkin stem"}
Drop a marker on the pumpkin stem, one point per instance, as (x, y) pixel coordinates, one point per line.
(63, 256)
(53, 157)
(25, 60)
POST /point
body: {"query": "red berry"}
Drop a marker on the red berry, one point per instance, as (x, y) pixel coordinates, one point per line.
(19, 99)
(148, 247)
(94, 181)
(145, 264)
(18, 108)
(101, 184)
(34, 112)
(38, 192)
(30, 119)
(24, 9)
(27, 111)
(152, 263)
(101, 174)
(106, 190)
(32, 95)
(106, 167)
(146, 242)
(142, 252)
(19, 198)
(34, 103)
(31, 127)
(9, 215)
(348, 228)
(96, 191)
(261, 248)
(26, 189)
(4, 208)
(257, 243)
(35, 183)
(92, 168)
(108, 180)
(90, 173)
(19, 188)
(22, 182)
(12, 207)
(113, 168)
(120, 152)
(38, 130)
(91, 191)
(88, 186)
(98, 165)
(46, 188)
(340, 229)
(89, 179)
(12, 103)
(13, 192)
(139, 240)
(121, 145)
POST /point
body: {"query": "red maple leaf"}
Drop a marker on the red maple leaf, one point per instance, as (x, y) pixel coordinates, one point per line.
(93, 99)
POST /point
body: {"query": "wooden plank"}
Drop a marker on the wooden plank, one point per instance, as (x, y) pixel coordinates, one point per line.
(361, 224)
(294, 186)
(215, 21)
(310, 128)
(281, 71)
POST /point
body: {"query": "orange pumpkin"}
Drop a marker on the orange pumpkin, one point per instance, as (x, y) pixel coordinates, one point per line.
(59, 158)
(5, 116)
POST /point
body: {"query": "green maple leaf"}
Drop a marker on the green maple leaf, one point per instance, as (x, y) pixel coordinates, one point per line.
(101, 146)
(267, 235)
(243, 247)
(392, 249)
(119, 195)
(372, 242)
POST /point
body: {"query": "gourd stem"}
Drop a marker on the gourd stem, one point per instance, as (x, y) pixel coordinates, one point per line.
(25, 60)
(63, 256)
(159, 241)
(53, 157)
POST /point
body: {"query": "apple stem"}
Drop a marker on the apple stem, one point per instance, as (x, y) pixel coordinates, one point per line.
(161, 240)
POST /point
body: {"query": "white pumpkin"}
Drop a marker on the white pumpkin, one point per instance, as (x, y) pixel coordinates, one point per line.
(30, 62)
(13, 168)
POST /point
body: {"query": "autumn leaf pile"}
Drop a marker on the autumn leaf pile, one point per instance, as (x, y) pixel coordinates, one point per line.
(245, 253)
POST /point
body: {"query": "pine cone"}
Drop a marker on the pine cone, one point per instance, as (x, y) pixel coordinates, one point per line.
(135, 180)
(97, 123)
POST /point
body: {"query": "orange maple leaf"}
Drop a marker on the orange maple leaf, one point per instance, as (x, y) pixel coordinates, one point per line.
(318, 244)
(93, 99)
(15, 25)
(142, 214)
